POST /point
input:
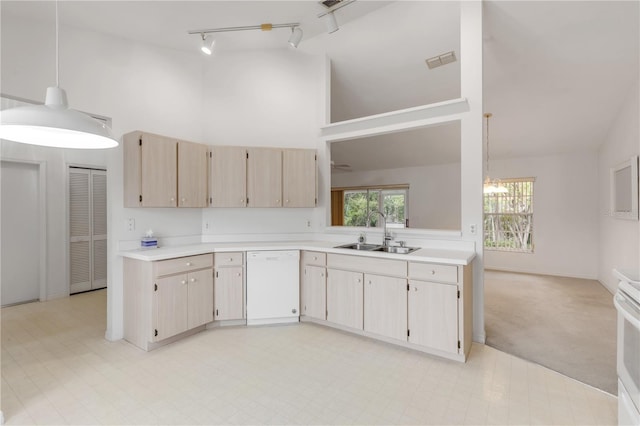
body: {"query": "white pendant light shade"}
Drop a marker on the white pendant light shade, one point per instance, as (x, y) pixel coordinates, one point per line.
(55, 125)
(296, 37)
(332, 24)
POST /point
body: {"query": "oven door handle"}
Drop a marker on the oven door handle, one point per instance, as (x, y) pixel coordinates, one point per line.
(627, 310)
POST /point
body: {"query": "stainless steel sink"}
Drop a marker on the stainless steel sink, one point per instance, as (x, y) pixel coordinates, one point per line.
(396, 249)
(377, 247)
(360, 246)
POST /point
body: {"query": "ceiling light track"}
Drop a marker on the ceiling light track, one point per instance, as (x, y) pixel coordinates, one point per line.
(263, 27)
(208, 42)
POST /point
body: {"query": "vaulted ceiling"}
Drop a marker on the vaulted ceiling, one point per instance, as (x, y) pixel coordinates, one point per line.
(555, 73)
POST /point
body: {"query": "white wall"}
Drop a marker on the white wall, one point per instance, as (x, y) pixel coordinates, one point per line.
(565, 219)
(434, 192)
(619, 239)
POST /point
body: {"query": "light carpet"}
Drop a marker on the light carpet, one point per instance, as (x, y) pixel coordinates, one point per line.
(565, 324)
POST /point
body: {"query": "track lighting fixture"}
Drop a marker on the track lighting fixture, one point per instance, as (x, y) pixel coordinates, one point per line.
(296, 36)
(331, 22)
(207, 46)
(54, 124)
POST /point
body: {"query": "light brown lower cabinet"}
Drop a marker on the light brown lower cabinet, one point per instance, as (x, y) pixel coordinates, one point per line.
(165, 298)
(345, 298)
(182, 302)
(385, 306)
(228, 286)
(314, 288)
(433, 315)
(229, 294)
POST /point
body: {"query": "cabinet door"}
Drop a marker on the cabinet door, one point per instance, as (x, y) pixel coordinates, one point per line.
(344, 297)
(229, 294)
(228, 176)
(385, 306)
(192, 174)
(433, 315)
(170, 306)
(159, 171)
(200, 298)
(299, 178)
(314, 292)
(264, 177)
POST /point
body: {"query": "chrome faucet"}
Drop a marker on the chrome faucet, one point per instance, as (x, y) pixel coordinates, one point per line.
(385, 235)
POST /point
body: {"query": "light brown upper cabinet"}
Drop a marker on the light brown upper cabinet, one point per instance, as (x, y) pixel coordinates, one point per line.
(264, 177)
(192, 174)
(299, 178)
(228, 176)
(163, 172)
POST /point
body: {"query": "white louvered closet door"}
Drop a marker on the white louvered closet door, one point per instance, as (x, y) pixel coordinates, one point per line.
(88, 229)
(99, 235)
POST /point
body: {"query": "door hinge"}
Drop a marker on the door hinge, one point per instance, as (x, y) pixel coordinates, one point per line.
(210, 154)
(155, 287)
(315, 157)
(155, 332)
(210, 200)
(217, 312)
(140, 198)
(140, 141)
(458, 294)
(316, 201)
(408, 333)
(458, 344)
(247, 200)
(247, 155)
(216, 274)
(407, 287)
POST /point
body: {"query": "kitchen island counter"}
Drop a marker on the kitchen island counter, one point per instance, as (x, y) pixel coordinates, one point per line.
(444, 256)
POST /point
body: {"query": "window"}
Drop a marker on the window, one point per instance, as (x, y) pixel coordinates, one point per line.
(508, 217)
(358, 202)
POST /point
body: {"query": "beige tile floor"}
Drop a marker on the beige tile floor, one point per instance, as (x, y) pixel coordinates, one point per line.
(58, 369)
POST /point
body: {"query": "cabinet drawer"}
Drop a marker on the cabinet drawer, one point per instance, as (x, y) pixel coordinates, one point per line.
(433, 272)
(228, 259)
(371, 265)
(183, 264)
(314, 258)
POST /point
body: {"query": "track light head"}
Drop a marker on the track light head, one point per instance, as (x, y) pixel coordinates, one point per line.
(207, 45)
(296, 36)
(332, 24)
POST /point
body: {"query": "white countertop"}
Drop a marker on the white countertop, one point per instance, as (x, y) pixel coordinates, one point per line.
(446, 256)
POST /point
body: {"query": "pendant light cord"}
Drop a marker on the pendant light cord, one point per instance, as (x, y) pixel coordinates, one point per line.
(487, 115)
(57, 53)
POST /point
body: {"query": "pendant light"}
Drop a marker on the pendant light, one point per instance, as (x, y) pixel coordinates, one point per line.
(54, 124)
(492, 186)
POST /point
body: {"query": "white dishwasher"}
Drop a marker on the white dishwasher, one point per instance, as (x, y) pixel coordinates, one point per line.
(273, 287)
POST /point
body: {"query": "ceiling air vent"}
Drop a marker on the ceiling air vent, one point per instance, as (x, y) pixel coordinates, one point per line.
(330, 3)
(438, 61)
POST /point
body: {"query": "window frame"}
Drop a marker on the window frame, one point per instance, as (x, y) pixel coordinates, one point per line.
(507, 237)
(382, 190)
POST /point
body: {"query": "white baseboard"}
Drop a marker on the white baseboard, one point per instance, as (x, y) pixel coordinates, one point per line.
(536, 272)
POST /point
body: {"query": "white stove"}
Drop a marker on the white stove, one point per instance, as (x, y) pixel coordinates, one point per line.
(627, 302)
